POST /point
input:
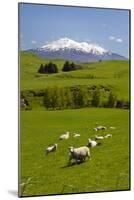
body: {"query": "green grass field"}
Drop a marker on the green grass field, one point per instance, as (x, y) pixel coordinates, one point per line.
(108, 168)
(107, 73)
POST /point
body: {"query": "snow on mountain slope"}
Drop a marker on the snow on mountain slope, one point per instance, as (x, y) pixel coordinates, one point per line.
(68, 49)
(66, 43)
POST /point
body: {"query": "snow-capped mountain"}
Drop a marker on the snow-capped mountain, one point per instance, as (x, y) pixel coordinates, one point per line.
(65, 43)
(68, 49)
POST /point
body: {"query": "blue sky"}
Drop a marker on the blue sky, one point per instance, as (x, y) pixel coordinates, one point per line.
(39, 24)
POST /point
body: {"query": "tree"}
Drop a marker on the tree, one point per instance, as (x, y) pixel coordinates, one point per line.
(46, 99)
(48, 68)
(53, 68)
(68, 98)
(96, 98)
(66, 66)
(78, 97)
(52, 98)
(41, 69)
(55, 97)
(112, 100)
(72, 66)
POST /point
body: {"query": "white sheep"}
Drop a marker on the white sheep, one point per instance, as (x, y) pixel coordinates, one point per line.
(91, 143)
(108, 135)
(102, 128)
(23, 104)
(76, 135)
(99, 137)
(65, 136)
(79, 154)
(99, 128)
(51, 148)
(112, 128)
(95, 129)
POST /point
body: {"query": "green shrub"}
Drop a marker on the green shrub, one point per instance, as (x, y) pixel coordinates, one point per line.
(55, 98)
(96, 98)
(123, 104)
(78, 97)
(112, 99)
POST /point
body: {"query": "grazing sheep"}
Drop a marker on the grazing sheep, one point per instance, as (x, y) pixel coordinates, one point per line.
(99, 137)
(79, 154)
(95, 129)
(96, 123)
(99, 128)
(91, 143)
(64, 136)
(108, 135)
(51, 149)
(76, 135)
(23, 103)
(112, 128)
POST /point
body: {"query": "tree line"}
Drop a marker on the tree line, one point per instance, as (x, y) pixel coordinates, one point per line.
(50, 67)
(70, 66)
(54, 98)
(76, 97)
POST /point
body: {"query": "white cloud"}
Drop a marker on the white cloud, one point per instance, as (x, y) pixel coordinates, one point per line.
(119, 40)
(115, 39)
(111, 38)
(33, 42)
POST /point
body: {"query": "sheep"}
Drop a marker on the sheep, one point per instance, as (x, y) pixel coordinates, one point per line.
(91, 143)
(76, 135)
(51, 149)
(99, 137)
(65, 136)
(23, 103)
(95, 129)
(79, 154)
(99, 128)
(112, 128)
(108, 135)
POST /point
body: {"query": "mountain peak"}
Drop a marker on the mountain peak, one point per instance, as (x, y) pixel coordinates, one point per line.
(65, 39)
(66, 43)
(68, 49)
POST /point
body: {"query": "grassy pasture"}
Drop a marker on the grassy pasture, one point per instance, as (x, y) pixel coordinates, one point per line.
(113, 73)
(108, 168)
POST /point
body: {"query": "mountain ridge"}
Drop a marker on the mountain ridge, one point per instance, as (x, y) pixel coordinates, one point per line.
(68, 49)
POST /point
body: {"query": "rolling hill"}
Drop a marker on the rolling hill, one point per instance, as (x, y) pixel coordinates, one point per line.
(107, 73)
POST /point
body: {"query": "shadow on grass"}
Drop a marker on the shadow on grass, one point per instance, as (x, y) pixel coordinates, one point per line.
(72, 164)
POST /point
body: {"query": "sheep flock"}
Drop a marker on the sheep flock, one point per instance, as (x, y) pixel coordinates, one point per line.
(82, 153)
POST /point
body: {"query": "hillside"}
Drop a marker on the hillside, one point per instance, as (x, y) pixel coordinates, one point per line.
(106, 73)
